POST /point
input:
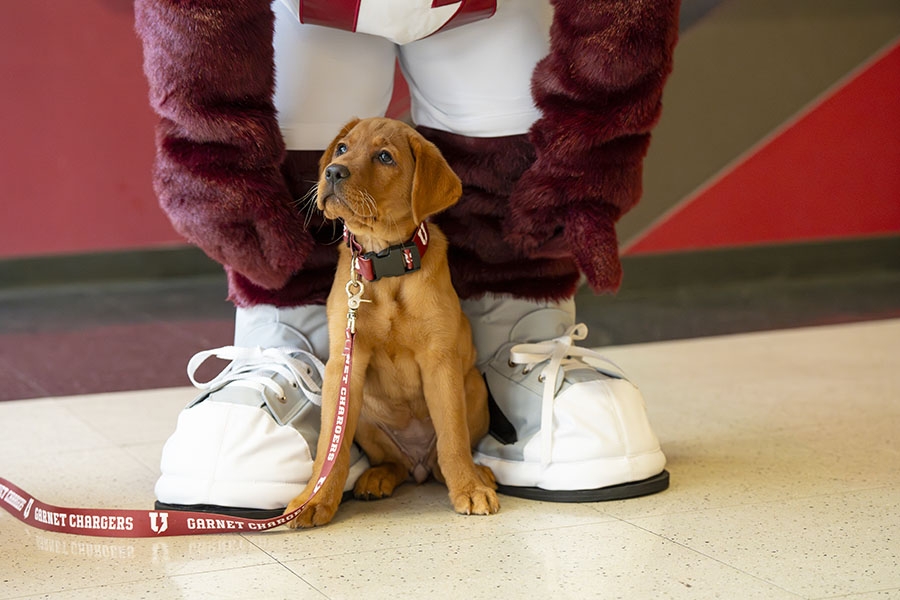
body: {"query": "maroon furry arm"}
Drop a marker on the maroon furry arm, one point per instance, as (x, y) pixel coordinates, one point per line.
(599, 90)
(211, 73)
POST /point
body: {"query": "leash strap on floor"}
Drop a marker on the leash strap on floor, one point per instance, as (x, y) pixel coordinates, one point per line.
(125, 523)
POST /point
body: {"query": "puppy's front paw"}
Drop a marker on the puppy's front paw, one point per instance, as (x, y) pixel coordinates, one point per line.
(476, 500)
(319, 511)
(477, 496)
(487, 476)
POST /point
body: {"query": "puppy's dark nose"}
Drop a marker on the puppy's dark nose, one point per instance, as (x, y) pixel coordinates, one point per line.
(335, 173)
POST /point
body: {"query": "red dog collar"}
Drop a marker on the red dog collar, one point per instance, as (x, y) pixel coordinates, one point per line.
(392, 262)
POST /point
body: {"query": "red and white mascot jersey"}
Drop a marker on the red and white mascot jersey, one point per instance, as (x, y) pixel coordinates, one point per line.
(401, 21)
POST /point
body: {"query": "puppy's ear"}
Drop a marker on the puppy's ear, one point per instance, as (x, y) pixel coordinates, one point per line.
(435, 186)
(326, 157)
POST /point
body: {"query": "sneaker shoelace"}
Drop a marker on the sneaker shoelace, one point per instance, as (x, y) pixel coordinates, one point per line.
(253, 368)
(560, 354)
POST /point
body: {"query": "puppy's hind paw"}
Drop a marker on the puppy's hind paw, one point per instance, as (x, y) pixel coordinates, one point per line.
(379, 482)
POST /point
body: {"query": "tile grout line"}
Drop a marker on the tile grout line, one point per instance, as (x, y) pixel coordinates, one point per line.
(721, 562)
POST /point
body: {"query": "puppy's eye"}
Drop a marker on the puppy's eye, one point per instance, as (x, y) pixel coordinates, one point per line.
(385, 157)
(340, 149)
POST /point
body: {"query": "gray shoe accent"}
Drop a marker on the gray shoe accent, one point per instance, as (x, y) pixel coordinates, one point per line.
(304, 327)
(498, 320)
(267, 326)
(293, 410)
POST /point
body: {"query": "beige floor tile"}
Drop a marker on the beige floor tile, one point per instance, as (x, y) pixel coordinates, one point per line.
(764, 381)
(892, 594)
(817, 547)
(264, 582)
(38, 562)
(148, 454)
(102, 478)
(418, 515)
(768, 416)
(600, 560)
(132, 417)
(40, 429)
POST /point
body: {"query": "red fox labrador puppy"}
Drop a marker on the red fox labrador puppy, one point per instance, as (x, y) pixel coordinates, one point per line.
(417, 404)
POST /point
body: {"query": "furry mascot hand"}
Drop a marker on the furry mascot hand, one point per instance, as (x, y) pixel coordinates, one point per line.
(210, 68)
(600, 93)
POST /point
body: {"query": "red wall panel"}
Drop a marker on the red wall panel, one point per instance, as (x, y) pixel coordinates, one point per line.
(833, 172)
(77, 131)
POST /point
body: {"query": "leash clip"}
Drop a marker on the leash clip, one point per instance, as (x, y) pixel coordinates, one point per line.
(354, 299)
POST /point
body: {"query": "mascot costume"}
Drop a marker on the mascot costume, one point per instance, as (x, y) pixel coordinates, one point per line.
(544, 110)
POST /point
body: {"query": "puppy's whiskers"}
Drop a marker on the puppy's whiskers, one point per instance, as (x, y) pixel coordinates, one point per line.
(307, 205)
(367, 202)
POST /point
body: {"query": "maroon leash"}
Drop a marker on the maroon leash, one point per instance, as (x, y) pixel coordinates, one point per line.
(126, 523)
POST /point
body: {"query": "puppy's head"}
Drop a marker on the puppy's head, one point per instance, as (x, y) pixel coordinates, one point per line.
(383, 178)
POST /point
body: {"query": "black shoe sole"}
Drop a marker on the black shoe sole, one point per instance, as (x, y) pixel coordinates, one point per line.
(229, 511)
(232, 511)
(623, 491)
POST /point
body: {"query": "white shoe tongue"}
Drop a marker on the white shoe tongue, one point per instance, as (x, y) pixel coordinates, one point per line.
(542, 325)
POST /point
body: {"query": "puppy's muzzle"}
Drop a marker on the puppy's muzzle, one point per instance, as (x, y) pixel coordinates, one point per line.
(334, 174)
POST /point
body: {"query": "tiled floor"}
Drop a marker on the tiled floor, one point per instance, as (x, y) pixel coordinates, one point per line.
(784, 450)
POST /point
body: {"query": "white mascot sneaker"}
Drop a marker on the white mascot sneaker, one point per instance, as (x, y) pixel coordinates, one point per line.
(566, 425)
(246, 446)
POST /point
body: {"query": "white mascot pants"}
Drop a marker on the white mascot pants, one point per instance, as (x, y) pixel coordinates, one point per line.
(474, 80)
